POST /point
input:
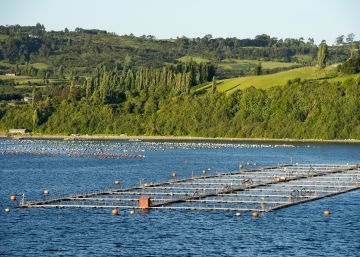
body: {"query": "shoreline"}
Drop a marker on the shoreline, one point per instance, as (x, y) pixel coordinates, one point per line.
(176, 138)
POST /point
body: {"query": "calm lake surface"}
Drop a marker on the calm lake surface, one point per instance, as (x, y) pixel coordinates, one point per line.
(297, 231)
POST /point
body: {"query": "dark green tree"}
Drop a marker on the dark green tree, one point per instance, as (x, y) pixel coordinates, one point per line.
(352, 65)
(35, 119)
(258, 69)
(213, 86)
(72, 92)
(340, 40)
(33, 96)
(188, 79)
(322, 54)
(61, 72)
(350, 38)
(89, 88)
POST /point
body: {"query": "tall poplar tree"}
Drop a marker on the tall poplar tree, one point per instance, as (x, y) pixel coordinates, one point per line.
(322, 54)
(213, 88)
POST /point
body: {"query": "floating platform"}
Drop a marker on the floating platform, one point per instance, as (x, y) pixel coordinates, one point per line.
(256, 190)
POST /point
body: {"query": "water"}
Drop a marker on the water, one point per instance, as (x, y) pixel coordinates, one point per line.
(297, 231)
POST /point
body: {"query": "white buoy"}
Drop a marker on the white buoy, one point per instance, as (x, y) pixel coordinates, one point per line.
(7, 210)
(132, 211)
(237, 214)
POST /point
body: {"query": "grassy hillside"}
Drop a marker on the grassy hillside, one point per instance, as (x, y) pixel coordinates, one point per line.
(239, 64)
(277, 79)
(25, 80)
(232, 67)
(196, 59)
(3, 37)
(38, 65)
(344, 77)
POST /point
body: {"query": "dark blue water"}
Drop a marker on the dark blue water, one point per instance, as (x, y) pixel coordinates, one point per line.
(297, 231)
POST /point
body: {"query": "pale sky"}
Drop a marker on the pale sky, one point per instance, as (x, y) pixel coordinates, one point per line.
(320, 19)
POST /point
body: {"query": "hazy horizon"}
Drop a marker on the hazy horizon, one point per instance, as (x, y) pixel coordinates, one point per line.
(163, 19)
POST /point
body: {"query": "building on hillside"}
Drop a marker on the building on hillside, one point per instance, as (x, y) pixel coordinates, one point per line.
(27, 99)
(10, 74)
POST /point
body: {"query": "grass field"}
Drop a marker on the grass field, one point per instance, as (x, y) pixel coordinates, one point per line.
(3, 37)
(39, 65)
(238, 64)
(342, 78)
(278, 79)
(23, 81)
(16, 78)
(194, 58)
(26, 86)
(241, 64)
(5, 64)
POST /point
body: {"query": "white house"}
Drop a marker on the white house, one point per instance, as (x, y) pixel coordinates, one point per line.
(27, 99)
(18, 131)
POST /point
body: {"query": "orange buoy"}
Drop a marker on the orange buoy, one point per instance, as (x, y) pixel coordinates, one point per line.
(255, 214)
(241, 166)
(46, 192)
(117, 182)
(13, 198)
(326, 212)
(174, 174)
(144, 202)
(115, 212)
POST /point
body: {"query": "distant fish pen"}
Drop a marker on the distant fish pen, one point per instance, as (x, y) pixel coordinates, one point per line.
(256, 190)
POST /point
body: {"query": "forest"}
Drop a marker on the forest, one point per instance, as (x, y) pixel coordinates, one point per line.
(90, 81)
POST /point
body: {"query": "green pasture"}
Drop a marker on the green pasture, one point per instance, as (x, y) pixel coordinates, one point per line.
(271, 80)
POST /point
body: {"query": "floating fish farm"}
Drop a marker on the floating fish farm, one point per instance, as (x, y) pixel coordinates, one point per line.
(262, 189)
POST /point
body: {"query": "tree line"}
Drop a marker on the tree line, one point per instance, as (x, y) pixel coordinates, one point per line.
(116, 84)
(89, 48)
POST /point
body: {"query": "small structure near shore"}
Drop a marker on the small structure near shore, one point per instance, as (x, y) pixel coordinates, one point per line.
(27, 99)
(18, 131)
